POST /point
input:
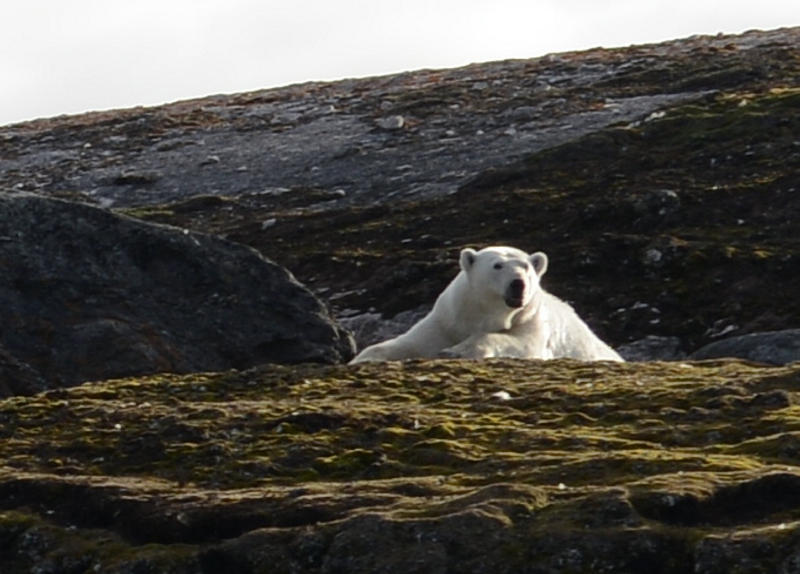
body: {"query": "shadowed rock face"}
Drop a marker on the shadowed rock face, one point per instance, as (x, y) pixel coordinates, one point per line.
(87, 295)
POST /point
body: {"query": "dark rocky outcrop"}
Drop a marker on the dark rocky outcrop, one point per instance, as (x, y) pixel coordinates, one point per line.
(652, 348)
(773, 348)
(87, 295)
(18, 378)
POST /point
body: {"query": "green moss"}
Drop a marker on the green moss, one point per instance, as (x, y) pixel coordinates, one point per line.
(442, 430)
(349, 464)
(148, 212)
(576, 446)
(455, 423)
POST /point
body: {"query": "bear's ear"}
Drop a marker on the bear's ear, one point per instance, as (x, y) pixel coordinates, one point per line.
(467, 258)
(539, 262)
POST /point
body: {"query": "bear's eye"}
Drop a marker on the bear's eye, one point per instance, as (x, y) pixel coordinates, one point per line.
(498, 265)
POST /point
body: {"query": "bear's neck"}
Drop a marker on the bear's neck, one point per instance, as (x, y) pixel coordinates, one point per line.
(529, 311)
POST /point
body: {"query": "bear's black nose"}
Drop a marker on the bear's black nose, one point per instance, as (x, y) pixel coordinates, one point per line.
(516, 288)
(515, 294)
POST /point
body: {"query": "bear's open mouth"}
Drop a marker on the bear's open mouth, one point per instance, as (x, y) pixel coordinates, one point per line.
(514, 301)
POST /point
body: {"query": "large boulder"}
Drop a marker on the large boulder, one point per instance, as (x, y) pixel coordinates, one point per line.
(770, 347)
(17, 378)
(86, 294)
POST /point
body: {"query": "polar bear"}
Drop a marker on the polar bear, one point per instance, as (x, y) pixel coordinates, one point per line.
(495, 307)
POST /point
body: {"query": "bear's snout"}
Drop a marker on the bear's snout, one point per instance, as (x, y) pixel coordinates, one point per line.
(515, 293)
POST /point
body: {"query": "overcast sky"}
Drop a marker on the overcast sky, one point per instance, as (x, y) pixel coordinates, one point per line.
(70, 56)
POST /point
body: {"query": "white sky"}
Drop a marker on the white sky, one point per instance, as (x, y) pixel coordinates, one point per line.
(70, 56)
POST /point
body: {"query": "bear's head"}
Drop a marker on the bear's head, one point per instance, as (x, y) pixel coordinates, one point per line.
(504, 274)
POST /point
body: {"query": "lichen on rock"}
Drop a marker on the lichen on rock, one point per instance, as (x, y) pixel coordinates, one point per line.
(625, 464)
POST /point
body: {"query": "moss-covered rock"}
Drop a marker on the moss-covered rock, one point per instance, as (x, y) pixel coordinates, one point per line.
(423, 465)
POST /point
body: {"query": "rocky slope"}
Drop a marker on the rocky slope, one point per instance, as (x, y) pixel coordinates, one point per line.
(658, 178)
(662, 181)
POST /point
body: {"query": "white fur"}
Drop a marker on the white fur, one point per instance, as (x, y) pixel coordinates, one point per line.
(481, 314)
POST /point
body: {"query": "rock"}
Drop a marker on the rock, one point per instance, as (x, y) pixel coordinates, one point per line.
(370, 328)
(656, 207)
(18, 378)
(554, 101)
(87, 294)
(652, 348)
(771, 347)
(391, 123)
(524, 113)
(648, 468)
(652, 257)
(135, 178)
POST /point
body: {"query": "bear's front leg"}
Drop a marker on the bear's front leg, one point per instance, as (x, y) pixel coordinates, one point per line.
(486, 345)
